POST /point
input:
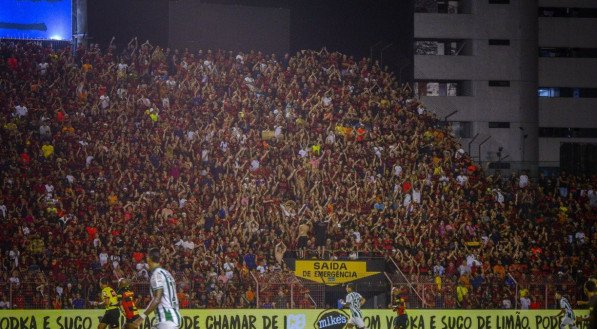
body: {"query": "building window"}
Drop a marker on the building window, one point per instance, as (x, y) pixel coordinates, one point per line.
(579, 158)
(442, 6)
(499, 2)
(499, 165)
(566, 92)
(499, 83)
(449, 47)
(499, 42)
(565, 132)
(461, 129)
(499, 124)
(567, 12)
(568, 52)
(549, 92)
(443, 88)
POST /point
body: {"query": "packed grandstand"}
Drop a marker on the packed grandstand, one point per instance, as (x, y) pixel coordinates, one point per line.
(218, 158)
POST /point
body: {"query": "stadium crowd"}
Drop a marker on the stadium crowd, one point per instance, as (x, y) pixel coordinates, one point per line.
(225, 159)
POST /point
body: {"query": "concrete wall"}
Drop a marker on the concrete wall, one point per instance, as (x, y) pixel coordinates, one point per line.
(516, 63)
(550, 147)
(486, 63)
(568, 31)
(568, 72)
(518, 104)
(568, 112)
(567, 3)
(487, 104)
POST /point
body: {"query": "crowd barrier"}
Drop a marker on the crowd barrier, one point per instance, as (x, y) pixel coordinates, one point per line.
(298, 319)
(420, 291)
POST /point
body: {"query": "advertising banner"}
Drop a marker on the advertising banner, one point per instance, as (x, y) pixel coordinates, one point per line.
(50, 19)
(332, 272)
(298, 319)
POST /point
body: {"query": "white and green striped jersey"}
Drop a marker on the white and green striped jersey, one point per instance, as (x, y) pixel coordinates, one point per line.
(353, 300)
(565, 305)
(167, 309)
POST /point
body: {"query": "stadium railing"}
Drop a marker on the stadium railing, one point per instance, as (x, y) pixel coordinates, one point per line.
(419, 291)
(532, 168)
(54, 44)
(426, 292)
(297, 292)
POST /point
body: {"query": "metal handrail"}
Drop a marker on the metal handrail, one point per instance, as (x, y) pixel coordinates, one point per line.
(391, 283)
(409, 284)
(375, 254)
(313, 301)
(256, 289)
(540, 290)
(516, 291)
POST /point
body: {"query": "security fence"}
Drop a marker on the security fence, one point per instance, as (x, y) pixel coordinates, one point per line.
(281, 290)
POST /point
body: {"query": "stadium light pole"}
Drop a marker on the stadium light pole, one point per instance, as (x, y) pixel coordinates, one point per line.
(400, 71)
(523, 137)
(381, 53)
(471, 142)
(449, 115)
(371, 50)
(481, 144)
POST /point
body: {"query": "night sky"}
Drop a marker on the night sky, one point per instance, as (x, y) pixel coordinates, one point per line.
(349, 26)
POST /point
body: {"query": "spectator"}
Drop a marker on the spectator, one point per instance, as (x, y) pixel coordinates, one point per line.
(4, 303)
(525, 303)
(320, 228)
(78, 302)
(47, 150)
(20, 111)
(14, 279)
(183, 297)
(267, 304)
(57, 303)
(281, 300)
(250, 296)
(506, 303)
(305, 302)
(280, 250)
(225, 155)
(499, 270)
(461, 295)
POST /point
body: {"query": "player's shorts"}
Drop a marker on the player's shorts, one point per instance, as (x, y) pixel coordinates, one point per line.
(566, 321)
(400, 321)
(166, 325)
(111, 318)
(358, 322)
(131, 320)
(302, 242)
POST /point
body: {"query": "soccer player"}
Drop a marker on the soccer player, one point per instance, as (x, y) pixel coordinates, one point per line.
(399, 306)
(566, 309)
(163, 293)
(354, 301)
(127, 303)
(590, 289)
(110, 299)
